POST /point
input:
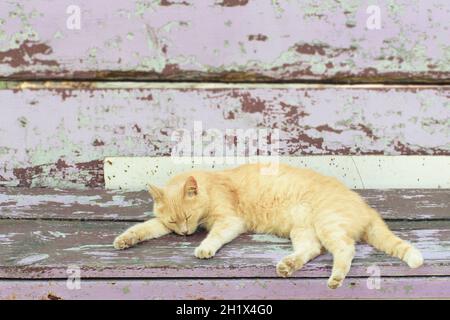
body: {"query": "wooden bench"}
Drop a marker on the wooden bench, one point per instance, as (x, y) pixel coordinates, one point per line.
(331, 83)
(44, 233)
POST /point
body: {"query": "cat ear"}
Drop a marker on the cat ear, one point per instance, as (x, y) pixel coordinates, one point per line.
(190, 187)
(155, 192)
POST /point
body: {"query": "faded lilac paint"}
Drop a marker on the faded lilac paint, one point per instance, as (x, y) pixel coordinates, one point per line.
(234, 289)
(44, 203)
(59, 134)
(33, 250)
(38, 249)
(258, 40)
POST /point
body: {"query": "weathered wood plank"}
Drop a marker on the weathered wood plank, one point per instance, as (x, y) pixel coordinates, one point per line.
(94, 204)
(33, 249)
(226, 40)
(194, 289)
(42, 203)
(59, 134)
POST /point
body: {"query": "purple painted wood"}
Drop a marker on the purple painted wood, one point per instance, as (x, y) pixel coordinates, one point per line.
(56, 204)
(44, 249)
(43, 203)
(59, 134)
(166, 267)
(226, 40)
(242, 289)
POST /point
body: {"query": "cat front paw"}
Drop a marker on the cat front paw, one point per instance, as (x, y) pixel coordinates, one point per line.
(124, 241)
(204, 251)
(413, 258)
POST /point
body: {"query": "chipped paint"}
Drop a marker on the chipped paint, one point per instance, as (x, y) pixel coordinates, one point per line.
(32, 259)
(172, 256)
(268, 238)
(43, 203)
(89, 246)
(67, 149)
(73, 205)
(42, 249)
(265, 40)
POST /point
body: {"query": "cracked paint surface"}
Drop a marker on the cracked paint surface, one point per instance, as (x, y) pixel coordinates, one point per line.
(48, 236)
(35, 249)
(230, 40)
(95, 204)
(58, 135)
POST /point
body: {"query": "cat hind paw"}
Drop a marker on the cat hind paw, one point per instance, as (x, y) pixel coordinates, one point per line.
(286, 267)
(335, 281)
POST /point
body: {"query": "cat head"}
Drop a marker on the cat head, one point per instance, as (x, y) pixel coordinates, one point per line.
(180, 205)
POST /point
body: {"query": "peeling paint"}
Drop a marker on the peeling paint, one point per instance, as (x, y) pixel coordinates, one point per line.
(32, 259)
(265, 41)
(68, 148)
(233, 3)
(172, 256)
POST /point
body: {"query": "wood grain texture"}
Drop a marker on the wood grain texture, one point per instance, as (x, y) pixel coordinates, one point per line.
(230, 289)
(43, 203)
(226, 40)
(54, 232)
(57, 135)
(44, 249)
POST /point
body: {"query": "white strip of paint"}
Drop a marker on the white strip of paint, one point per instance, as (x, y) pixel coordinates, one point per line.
(358, 172)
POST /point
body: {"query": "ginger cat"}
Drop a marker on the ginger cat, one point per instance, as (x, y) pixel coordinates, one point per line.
(316, 212)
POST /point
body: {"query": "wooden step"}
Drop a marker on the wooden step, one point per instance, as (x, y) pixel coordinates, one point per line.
(44, 232)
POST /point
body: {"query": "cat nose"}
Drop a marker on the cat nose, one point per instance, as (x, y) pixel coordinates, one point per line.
(184, 233)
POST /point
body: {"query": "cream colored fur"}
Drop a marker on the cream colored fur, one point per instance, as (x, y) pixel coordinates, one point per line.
(316, 212)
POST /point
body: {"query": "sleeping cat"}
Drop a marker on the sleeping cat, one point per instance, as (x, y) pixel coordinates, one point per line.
(316, 212)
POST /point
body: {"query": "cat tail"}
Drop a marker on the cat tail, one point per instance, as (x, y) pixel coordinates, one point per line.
(381, 237)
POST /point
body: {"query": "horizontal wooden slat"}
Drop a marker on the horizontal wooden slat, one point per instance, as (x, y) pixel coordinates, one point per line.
(57, 135)
(44, 249)
(230, 289)
(361, 172)
(226, 40)
(42, 203)
(94, 204)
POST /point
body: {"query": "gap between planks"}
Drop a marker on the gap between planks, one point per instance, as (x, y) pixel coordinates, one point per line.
(117, 84)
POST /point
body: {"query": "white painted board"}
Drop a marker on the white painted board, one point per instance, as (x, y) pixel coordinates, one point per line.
(358, 172)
